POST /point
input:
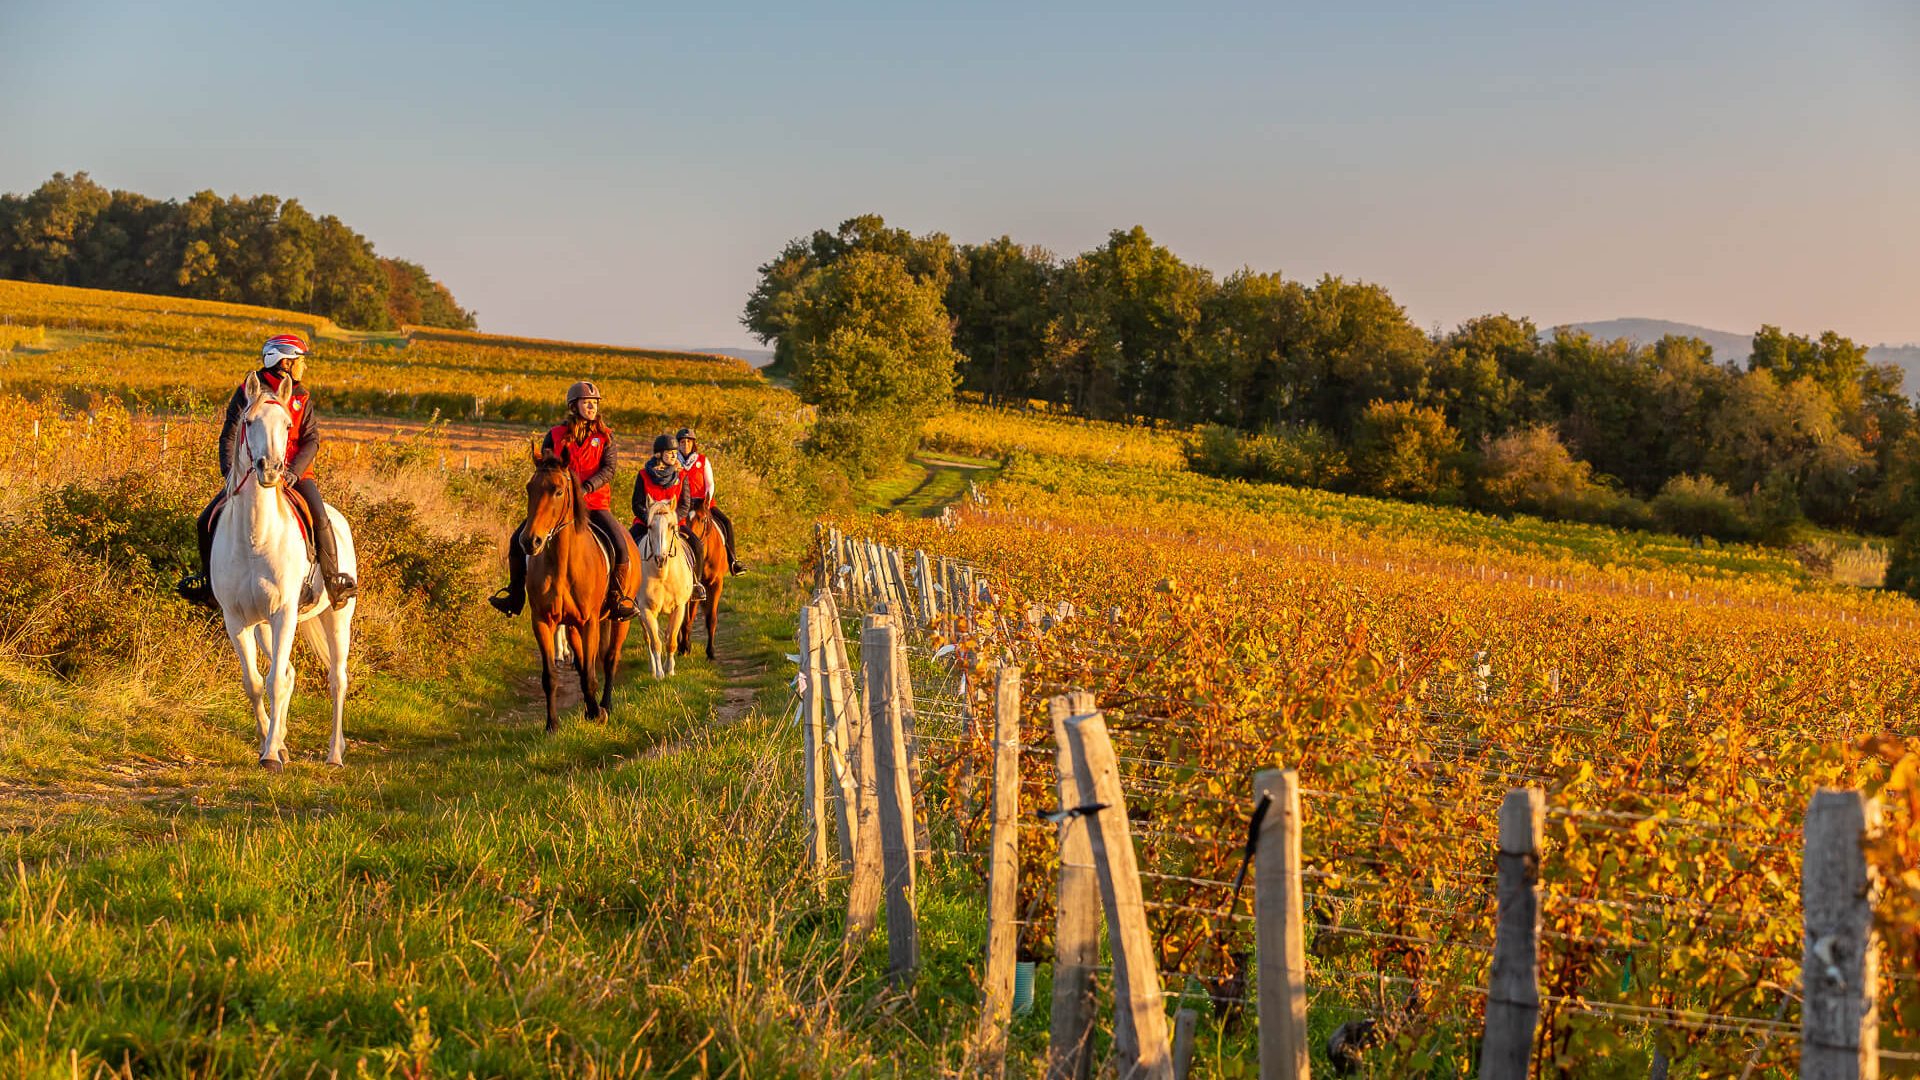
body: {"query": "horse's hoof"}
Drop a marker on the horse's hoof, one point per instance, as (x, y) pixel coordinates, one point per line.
(709, 653)
(336, 762)
(271, 764)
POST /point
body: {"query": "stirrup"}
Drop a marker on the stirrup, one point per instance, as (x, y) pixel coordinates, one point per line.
(196, 589)
(341, 588)
(506, 603)
(622, 607)
(736, 568)
(699, 590)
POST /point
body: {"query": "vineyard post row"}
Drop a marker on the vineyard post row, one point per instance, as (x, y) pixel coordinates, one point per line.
(865, 762)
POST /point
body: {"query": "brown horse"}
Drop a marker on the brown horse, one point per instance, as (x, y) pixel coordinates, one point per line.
(567, 584)
(712, 545)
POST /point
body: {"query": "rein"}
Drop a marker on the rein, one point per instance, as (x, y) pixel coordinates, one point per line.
(566, 518)
(254, 468)
(661, 553)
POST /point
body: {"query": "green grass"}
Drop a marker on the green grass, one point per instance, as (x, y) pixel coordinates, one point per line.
(925, 483)
(621, 899)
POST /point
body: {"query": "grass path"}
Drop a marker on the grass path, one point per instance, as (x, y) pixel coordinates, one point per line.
(925, 483)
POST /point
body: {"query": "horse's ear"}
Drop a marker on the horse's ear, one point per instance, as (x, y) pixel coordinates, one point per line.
(533, 448)
(254, 388)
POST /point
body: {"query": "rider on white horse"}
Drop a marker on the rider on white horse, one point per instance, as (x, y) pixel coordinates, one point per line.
(283, 361)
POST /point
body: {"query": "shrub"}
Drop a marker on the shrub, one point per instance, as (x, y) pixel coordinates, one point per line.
(1406, 451)
(1302, 456)
(1903, 562)
(1700, 506)
(132, 523)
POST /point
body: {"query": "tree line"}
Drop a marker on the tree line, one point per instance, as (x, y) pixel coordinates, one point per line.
(260, 250)
(1330, 384)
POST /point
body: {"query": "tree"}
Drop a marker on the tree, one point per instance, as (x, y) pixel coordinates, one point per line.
(256, 250)
(999, 298)
(41, 233)
(770, 309)
(873, 349)
(1833, 362)
(1406, 451)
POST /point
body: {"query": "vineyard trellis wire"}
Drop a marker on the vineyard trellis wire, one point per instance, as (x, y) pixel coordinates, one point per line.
(1396, 901)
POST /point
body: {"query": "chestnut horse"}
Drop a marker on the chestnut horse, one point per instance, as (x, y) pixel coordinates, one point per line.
(567, 584)
(712, 545)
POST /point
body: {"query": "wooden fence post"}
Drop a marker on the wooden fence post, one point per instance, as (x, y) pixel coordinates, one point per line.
(912, 781)
(1183, 1023)
(863, 891)
(929, 603)
(1513, 990)
(812, 743)
(1003, 853)
(1136, 982)
(1840, 960)
(878, 649)
(1278, 933)
(897, 578)
(1076, 926)
(843, 758)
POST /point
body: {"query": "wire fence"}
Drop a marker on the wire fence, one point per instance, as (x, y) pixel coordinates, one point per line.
(1674, 931)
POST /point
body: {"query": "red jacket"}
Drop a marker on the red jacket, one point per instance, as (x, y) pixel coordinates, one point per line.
(699, 476)
(303, 435)
(594, 463)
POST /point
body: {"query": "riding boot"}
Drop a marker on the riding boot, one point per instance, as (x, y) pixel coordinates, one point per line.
(617, 598)
(198, 589)
(734, 565)
(512, 599)
(340, 587)
(694, 561)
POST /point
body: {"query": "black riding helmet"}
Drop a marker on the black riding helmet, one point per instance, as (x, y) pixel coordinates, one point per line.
(684, 433)
(662, 443)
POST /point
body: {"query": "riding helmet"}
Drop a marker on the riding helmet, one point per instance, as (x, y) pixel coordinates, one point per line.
(685, 433)
(282, 347)
(582, 391)
(662, 443)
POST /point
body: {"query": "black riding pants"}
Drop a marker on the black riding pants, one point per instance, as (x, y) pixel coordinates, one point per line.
(726, 530)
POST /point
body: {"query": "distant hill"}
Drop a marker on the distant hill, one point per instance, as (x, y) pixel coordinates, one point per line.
(1736, 347)
(756, 358)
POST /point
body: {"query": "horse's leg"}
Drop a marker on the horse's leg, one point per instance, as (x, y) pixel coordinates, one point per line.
(713, 610)
(683, 638)
(590, 667)
(658, 647)
(327, 633)
(285, 625)
(244, 648)
(543, 638)
(616, 640)
(677, 624)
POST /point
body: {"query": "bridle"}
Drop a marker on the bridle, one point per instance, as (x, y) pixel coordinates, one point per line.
(662, 552)
(253, 470)
(566, 517)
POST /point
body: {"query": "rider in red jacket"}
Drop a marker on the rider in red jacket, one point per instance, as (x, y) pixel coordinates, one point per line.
(662, 480)
(586, 442)
(699, 472)
(283, 360)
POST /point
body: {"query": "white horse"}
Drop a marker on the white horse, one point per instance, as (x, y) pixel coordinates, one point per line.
(258, 567)
(666, 584)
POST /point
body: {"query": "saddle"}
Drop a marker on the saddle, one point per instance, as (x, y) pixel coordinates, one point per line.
(313, 589)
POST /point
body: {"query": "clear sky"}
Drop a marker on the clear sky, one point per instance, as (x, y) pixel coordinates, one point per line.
(610, 172)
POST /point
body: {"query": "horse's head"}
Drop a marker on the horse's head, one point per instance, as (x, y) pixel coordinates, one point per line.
(551, 499)
(264, 428)
(663, 532)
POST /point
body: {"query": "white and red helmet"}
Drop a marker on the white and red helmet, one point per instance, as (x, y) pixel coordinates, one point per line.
(282, 347)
